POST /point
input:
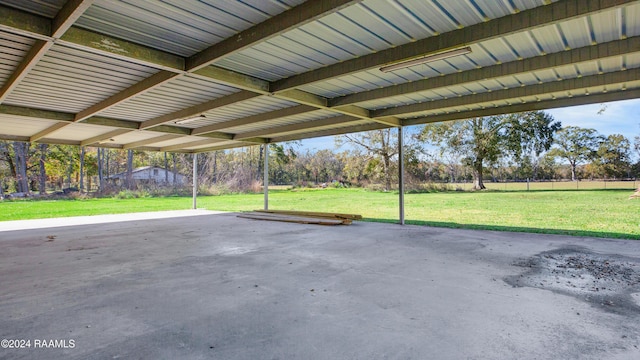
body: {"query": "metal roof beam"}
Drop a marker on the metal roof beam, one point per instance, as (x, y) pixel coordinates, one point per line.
(24, 23)
(514, 93)
(529, 106)
(308, 125)
(199, 109)
(69, 13)
(97, 43)
(35, 113)
(271, 115)
(61, 23)
(223, 147)
(143, 86)
(303, 97)
(157, 139)
(276, 25)
(62, 119)
(103, 137)
(579, 55)
(183, 146)
(553, 13)
(51, 129)
(232, 78)
(34, 55)
(330, 132)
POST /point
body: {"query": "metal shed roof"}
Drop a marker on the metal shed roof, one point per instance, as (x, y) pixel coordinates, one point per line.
(195, 76)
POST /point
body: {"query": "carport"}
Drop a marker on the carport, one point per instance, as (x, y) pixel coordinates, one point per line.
(195, 76)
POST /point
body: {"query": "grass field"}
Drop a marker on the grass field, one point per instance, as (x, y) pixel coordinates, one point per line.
(553, 185)
(600, 213)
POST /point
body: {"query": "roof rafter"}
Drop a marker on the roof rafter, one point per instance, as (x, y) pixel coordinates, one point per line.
(611, 78)
(222, 147)
(71, 11)
(290, 19)
(183, 146)
(553, 13)
(320, 102)
(330, 132)
(579, 55)
(199, 109)
(99, 43)
(37, 51)
(154, 140)
(141, 87)
(63, 119)
(297, 127)
(529, 106)
(41, 134)
(271, 115)
(105, 136)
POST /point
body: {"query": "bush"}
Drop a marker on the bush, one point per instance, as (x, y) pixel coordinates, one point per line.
(132, 194)
(75, 195)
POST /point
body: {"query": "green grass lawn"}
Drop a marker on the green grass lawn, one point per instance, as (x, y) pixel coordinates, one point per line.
(601, 213)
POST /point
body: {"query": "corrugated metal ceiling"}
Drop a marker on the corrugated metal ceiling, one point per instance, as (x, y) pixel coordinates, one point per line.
(148, 65)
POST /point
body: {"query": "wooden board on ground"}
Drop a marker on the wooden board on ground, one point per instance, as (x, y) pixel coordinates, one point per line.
(313, 214)
(294, 219)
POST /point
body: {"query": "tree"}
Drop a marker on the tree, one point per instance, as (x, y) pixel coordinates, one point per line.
(354, 165)
(21, 151)
(378, 143)
(636, 145)
(612, 156)
(82, 155)
(129, 176)
(485, 140)
(43, 170)
(576, 145)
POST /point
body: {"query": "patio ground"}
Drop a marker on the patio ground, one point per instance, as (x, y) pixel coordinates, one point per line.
(201, 285)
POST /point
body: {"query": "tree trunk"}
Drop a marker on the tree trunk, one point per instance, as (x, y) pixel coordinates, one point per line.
(129, 178)
(82, 153)
(260, 163)
(573, 172)
(387, 173)
(100, 169)
(166, 169)
(478, 183)
(69, 173)
(175, 169)
(21, 151)
(107, 157)
(43, 171)
(215, 167)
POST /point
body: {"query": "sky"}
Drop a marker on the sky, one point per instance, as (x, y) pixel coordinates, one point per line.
(619, 117)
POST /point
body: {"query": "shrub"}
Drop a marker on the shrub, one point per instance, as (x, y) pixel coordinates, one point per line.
(132, 194)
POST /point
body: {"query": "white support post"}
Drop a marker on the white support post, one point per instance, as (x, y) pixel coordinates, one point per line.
(266, 176)
(401, 174)
(195, 179)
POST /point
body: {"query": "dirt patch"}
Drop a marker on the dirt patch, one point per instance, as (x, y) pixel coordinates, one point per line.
(607, 281)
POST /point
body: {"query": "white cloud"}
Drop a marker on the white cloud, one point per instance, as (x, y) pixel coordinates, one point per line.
(621, 117)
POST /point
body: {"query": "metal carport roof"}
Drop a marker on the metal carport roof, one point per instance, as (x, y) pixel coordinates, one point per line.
(127, 74)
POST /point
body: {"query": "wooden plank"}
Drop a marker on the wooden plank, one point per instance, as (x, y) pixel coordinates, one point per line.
(313, 214)
(292, 219)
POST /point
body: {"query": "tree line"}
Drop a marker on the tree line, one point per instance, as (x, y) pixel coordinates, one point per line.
(530, 145)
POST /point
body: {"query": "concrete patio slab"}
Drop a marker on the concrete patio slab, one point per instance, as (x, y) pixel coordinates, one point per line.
(214, 286)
